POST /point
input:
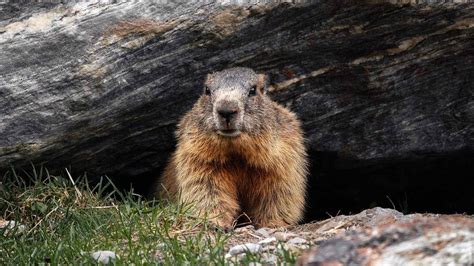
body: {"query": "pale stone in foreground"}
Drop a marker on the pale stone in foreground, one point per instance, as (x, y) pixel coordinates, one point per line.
(268, 240)
(265, 232)
(12, 227)
(104, 256)
(248, 247)
(297, 241)
(284, 236)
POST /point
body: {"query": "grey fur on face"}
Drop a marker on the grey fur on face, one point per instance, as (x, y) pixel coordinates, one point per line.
(234, 99)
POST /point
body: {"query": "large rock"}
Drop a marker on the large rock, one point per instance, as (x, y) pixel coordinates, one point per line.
(377, 236)
(385, 92)
(386, 237)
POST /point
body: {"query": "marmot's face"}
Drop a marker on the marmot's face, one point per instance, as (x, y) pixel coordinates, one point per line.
(233, 101)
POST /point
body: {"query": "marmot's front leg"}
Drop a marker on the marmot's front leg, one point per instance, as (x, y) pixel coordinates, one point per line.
(275, 202)
(212, 195)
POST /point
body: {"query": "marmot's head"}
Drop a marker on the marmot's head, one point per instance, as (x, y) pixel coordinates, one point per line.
(233, 102)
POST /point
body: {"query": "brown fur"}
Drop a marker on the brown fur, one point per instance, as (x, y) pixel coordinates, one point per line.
(260, 172)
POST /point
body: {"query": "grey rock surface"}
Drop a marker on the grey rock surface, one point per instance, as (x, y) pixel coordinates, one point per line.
(376, 236)
(399, 240)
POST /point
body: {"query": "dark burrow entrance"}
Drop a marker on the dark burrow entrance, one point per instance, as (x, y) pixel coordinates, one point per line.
(437, 183)
(426, 182)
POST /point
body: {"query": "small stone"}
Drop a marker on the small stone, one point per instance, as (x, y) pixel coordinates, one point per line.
(305, 246)
(269, 247)
(269, 259)
(294, 248)
(263, 232)
(104, 256)
(267, 241)
(297, 241)
(241, 257)
(12, 227)
(248, 247)
(284, 236)
(244, 229)
(234, 259)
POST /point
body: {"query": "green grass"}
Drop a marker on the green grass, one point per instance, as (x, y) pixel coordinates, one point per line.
(67, 220)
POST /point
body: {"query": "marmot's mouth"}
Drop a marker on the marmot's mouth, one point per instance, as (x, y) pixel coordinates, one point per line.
(228, 132)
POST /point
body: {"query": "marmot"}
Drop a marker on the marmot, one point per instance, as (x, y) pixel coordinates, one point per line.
(238, 152)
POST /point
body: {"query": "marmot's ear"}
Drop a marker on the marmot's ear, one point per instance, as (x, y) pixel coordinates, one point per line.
(262, 81)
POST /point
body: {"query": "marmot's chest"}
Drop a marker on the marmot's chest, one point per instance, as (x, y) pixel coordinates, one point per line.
(243, 158)
(240, 171)
(244, 152)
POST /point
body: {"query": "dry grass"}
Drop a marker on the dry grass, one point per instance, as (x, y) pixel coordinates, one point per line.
(64, 220)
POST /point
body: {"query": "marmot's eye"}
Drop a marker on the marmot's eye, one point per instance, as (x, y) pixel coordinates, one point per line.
(207, 91)
(253, 91)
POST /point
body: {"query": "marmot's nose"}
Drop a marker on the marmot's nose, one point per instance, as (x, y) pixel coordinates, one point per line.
(227, 113)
